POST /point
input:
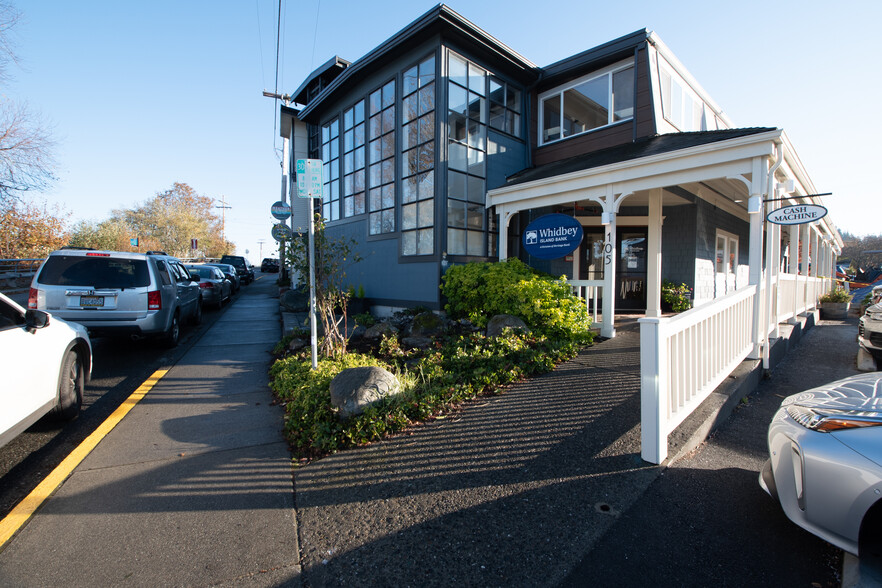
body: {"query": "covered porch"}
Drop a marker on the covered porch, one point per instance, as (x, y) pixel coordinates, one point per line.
(744, 173)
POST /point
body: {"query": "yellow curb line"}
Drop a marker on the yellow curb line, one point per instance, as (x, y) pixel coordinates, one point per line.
(25, 509)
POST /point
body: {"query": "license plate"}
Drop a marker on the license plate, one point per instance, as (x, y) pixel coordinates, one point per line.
(91, 301)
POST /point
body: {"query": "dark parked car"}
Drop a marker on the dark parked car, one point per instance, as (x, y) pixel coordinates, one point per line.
(230, 273)
(270, 265)
(215, 287)
(242, 265)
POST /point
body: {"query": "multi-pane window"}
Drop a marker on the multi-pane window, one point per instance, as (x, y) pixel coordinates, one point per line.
(331, 170)
(466, 158)
(505, 107)
(381, 156)
(588, 104)
(418, 159)
(353, 160)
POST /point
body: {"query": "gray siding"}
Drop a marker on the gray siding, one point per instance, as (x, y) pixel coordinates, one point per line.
(679, 244)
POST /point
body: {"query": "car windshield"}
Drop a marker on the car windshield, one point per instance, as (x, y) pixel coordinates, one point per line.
(96, 272)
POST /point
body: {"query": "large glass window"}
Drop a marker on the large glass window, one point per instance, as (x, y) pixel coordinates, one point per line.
(466, 157)
(331, 170)
(589, 103)
(353, 160)
(681, 107)
(381, 157)
(505, 107)
(418, 159)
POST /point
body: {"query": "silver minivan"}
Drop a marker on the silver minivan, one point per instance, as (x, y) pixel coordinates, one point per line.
(118, 293)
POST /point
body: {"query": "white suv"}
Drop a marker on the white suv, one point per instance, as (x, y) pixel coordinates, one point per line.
(45, 363)
(870, 326)
(118, 293)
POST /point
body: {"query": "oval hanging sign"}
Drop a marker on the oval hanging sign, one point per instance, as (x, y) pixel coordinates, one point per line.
(282, 232)
(552, 236)
(797, 215)
(280, 210)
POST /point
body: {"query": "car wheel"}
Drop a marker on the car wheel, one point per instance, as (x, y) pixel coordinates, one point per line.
(70, 388)
(173, 334)
(197, 313)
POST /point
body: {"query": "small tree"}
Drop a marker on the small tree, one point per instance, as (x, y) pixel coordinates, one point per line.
(332, 257)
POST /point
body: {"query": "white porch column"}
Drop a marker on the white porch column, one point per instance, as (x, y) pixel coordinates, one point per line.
(609, 270)
(505, 216)
(814, 254)
(653, 255)
(793, 266)
(773, 263)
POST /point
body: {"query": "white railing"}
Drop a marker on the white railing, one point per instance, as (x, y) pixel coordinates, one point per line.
(591, 291)
(798, 294)
(684, 358)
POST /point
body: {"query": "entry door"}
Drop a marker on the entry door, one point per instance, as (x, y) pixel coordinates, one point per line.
(631, 269)
(630, 282)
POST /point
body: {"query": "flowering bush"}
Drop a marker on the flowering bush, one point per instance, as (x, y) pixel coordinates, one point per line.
(678, 296)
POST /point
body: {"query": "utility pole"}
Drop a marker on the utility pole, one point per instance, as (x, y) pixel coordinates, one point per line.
(286, 180)
(223, 208)
(260, 242)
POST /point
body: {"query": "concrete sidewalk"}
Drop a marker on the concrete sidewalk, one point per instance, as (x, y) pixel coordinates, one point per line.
(192, 488)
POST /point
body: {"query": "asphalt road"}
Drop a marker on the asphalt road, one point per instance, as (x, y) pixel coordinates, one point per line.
(120, 366)
(706, 521)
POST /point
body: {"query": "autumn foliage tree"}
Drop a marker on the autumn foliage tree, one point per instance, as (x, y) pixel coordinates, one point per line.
(31, 231)
(167, 222)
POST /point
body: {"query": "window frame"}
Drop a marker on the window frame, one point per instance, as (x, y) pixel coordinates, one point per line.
(560, 91)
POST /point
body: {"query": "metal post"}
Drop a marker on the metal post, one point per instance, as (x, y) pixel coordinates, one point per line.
(312, 326)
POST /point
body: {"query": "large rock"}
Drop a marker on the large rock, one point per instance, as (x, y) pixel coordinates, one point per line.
(500, 322)
(355, 389)
(296, 300)
(427, 324)
(378, 330)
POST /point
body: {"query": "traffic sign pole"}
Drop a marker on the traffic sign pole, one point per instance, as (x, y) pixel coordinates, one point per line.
(309, 185)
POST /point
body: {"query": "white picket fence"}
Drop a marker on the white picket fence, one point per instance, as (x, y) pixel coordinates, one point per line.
(683, 358)
(591, 291)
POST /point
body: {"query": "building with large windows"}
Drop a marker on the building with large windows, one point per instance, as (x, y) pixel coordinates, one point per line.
(442, 144)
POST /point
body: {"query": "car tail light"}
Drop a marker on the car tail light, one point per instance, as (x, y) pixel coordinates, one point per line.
(33, 297)
(154, 300)
(208, 285)
(97, 255)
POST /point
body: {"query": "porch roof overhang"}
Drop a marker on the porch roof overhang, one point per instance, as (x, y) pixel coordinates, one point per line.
(721, 162)
(724, 157)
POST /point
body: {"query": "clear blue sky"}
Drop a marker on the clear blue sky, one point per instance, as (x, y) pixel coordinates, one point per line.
(142, 95)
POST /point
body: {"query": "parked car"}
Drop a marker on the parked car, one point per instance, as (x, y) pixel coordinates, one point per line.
(242, 265)
(825, 465)
(216, 288)
(230, 273)
(269, 265)
(870, 327)
(46, 363)
(118, 293)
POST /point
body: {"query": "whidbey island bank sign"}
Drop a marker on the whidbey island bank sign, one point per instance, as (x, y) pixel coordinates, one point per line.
(797, 215)
(552, 236)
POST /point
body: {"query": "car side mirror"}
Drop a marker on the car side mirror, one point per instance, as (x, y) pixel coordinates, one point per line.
(36, 319)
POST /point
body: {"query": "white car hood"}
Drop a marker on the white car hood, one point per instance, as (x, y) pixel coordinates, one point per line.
(856, 396)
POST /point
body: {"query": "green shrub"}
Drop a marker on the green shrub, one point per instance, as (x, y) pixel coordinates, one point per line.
(478, 291)
(836, 295)
(679, 296)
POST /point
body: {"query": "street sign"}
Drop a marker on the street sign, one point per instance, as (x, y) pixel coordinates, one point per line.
(280, 210)
(309, 178)
(797, 215)
(282, 232)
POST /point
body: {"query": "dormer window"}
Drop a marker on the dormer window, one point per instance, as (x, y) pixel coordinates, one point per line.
(589, 103)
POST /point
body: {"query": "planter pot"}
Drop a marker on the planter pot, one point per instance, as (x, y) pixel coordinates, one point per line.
(835, 310)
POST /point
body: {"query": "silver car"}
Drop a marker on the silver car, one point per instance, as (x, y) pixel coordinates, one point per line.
(825, 465)
(216, 288)
(118, 293)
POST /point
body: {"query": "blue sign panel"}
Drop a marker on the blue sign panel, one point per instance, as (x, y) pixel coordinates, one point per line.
(552, 236)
